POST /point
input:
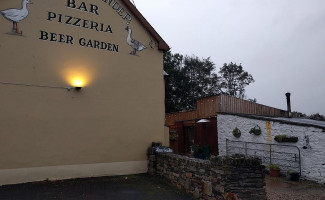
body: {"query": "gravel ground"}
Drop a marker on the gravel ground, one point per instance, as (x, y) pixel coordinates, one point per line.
(281, 189)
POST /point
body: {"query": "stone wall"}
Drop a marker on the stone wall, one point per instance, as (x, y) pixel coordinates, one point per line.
(311, 141)
(217, 178)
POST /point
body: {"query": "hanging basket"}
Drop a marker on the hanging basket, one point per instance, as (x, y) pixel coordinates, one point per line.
(256, 130)
(236, 132)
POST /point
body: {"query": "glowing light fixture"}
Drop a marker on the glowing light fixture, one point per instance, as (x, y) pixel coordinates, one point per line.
(78, 83)
(78, 74)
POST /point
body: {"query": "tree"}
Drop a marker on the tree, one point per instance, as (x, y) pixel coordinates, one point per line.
(201, 80)
(317, 117)
(296, 114)
(254, 100)
(189, 79)
(174, 82)
(234, 80)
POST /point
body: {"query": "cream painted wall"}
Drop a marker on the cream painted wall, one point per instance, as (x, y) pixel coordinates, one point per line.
(166, 130)
(114, 118)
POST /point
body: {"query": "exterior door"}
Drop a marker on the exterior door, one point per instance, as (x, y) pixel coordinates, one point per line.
(188, 139)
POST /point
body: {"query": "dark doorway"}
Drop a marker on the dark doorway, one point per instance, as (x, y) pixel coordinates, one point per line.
(188, 139)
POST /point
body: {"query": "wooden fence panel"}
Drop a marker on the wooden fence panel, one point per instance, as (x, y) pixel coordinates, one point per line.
(234, 105)
(210, 106)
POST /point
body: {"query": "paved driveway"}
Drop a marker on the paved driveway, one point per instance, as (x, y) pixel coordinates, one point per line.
(281, 189)
(142, 187)
(135, 187)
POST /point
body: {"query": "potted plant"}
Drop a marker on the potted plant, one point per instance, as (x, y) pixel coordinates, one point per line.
(293, 175)
(197, 151)
(236, 132)
(255, 130)
(274, 170)
(173, 136)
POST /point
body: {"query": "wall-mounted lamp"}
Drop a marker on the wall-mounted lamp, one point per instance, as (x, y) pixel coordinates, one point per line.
(203, 121)
(78, 74)
(77, 83)
(78, 88)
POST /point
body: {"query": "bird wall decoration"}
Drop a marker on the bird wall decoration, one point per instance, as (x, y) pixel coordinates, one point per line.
(16, 15)
(136, 45)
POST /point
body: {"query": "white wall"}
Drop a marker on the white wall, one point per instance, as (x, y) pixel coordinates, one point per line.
(312, 158)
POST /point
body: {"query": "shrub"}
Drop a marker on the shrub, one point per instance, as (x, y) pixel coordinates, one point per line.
(279, 138)
(274, 166)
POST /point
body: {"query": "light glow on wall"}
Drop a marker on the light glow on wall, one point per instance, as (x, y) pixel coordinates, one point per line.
(78, 82)
(78, 76)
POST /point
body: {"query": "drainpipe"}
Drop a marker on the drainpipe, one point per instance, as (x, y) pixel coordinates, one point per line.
(288, 104)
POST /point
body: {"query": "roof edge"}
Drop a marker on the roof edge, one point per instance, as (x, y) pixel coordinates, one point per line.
(267, 118)
(162, 45)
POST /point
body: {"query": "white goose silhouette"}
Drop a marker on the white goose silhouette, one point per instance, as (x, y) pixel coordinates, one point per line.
(16, 15)
(136, 45)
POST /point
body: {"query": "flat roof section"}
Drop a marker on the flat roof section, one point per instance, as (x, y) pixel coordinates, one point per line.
(293, 121)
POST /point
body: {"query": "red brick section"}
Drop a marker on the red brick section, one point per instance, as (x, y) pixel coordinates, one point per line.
(162, 45)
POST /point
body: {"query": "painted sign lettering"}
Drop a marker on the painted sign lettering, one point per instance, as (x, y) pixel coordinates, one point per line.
(120, 10)
(68, 39)
(83, 6)
(17, 15)
(78, 22)
(82, 23)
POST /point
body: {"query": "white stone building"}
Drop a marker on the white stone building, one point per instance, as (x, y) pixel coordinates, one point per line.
(310, 144)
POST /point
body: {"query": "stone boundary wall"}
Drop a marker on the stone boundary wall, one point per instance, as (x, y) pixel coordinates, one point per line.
(215, 179)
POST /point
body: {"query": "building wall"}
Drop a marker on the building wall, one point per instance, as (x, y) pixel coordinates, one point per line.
(312, 158)
(166, 136)
(105, 128)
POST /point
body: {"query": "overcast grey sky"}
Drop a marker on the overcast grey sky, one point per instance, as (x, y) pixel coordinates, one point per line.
(280, 42)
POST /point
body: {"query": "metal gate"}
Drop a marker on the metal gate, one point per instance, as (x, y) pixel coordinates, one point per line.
(286, 156)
